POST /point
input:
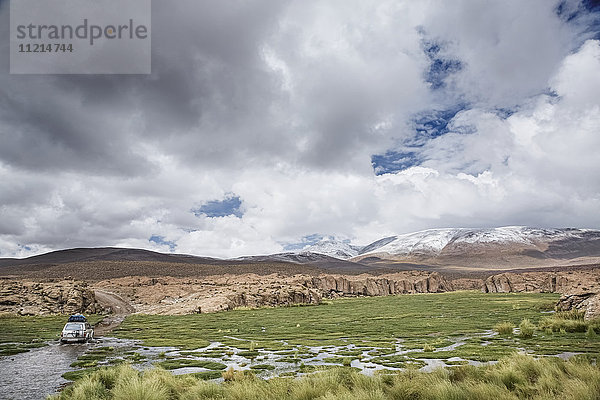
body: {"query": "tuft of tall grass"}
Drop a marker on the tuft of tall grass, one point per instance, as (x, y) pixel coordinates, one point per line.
(526, 328)
(590, 333)
(229, 374)
(88, 388)
(428, 348)
(515, 377)
(109, 376)
(565, 321)
(570, 315)
(204, 390)
(504, 328)
(138, 389)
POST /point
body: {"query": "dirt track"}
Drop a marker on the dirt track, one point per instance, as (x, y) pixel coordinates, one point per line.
(119, 310)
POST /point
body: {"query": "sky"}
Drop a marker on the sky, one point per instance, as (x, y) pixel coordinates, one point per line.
(267, 125)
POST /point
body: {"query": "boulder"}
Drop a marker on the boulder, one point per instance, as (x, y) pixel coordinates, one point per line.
(33, 298)
(499, 283)
(588, 302)
(592, 308)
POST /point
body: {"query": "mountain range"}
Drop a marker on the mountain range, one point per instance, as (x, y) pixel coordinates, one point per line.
(456, 249)
(510, 246)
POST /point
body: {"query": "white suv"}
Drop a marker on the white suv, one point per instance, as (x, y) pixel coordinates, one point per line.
(76, 332)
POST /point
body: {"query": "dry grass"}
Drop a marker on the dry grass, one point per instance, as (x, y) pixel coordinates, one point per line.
(526, 329)
(568, 321)
(504, 328)
(516, 377)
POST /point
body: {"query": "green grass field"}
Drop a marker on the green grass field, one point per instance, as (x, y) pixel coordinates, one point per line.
(420, 321)
(326, 346)
(377, 335)
(376, 319)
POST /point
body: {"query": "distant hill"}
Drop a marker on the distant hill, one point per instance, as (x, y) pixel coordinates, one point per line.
(105, 254)
(324, 262)
(108, 262)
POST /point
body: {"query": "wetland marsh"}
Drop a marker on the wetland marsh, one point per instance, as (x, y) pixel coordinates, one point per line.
(370, 335)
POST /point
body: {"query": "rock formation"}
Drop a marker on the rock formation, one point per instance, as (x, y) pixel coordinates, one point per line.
(176, 296)
(168, 295)
(171, 295)
(39, 298)
(362, 285)
(467, 283)
(543, 282)
(588, 302)
(580, 288)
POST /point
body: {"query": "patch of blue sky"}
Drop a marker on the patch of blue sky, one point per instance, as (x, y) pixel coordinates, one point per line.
(160, 240)
(221, 208)
(567, 10)
(594, 24)
(440, 66)
(582, 13)
(571, 10)
(432, 123)
(394, 161)
(20, 246)
(427, 126)
(505, 112)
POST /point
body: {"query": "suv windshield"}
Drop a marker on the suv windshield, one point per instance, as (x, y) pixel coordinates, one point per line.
(73, 327)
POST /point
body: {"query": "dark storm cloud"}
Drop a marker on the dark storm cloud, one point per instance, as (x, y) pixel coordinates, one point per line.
(211, 99)
(204, 100)
(42, 131)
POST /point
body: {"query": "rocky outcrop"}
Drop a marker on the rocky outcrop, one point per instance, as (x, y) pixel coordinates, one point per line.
(573, 301)
(497, 284)
(592, 308)
(580, 289)
(583, 301)
(174, 296)
(467, 283)
(340, 285)
(39, 298)
(178, 296)
(543, 282)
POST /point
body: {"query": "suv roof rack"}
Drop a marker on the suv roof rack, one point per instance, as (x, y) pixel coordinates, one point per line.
(77, 318)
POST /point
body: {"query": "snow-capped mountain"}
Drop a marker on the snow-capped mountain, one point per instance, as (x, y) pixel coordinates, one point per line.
(434, 241)
(317, 260)
(300, 257)
(334, 248)
(505, 245)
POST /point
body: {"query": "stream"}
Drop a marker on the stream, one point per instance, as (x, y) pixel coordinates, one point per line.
(37, 373)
